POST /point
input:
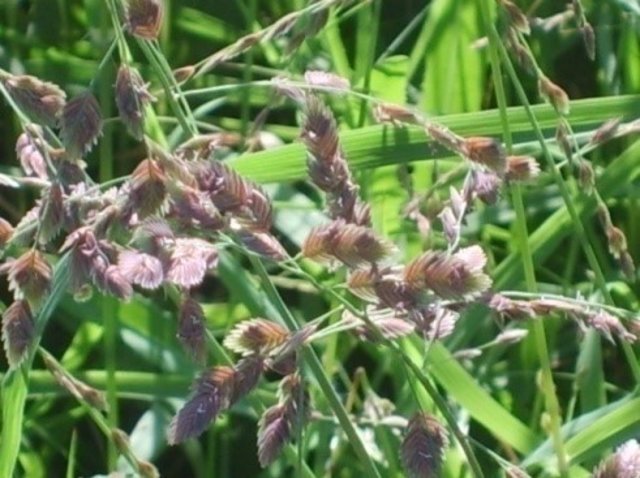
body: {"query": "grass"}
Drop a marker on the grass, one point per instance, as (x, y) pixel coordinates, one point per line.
(554, 404)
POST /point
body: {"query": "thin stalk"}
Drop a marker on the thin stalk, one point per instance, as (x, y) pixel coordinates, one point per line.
(15, 383)
(110, 324)
(312, 360)
(431, 390)
(99, 419)
(183, 119)
(571, 209)
(442, 406)
(108, 307)
(548, 387)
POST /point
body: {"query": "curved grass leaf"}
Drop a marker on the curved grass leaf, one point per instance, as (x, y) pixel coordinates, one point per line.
(381, 145)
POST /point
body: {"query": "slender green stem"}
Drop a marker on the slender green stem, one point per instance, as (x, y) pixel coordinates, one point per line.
(312, 360)
(15, 383)
(431, 390)
(548, 386)
(564, 191)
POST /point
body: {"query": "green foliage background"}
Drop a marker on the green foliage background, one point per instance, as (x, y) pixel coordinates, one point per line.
(427, 54)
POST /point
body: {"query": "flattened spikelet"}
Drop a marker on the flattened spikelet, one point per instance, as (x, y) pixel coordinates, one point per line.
(487, 152)
(131, 97)
(30, 277)
(144, 18)
(148, 190)
(6, 232)
(450, 277)
(17, 332)
(193, 418)
(262, 243)
(51, 214)
(191, 329)
(273, 433)
(190, 261)
(212, 394)
(141, 269)
(28, 151)
(256, 336)
(624, 463)
(423, 447)
(41, 100)
(81, 124)
(280, 422)
(522, 168)
(351, 244)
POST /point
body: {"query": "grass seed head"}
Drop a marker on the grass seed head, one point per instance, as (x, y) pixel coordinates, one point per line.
(40, 100)
(554, 95)
(423, 446)
(131, 97)
(18, 330)
(522, 168)
(144, 18)
(487, 152)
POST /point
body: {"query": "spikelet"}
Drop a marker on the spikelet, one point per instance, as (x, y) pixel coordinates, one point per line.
(522, 168)
(132, 96)
(191, 329)
(29, 277)
(423, 446)
(450, 277)
(148, 189)
(256, 336)
(81, 124)
(144, 18)
(350, 244)
(42, 101)
(18, 332)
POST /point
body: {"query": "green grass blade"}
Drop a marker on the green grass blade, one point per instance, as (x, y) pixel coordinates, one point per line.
(15, 384)
(381, 145)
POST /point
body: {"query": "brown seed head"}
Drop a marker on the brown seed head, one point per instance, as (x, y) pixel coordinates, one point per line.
(148, 189)
(192, 330)
(516, 18)
(586, 176)
(18, 331)
(554, 95)
(423, 446)
(256, 336)
(132, 96)
(184, 74)
(390, 113)
(606, 131)
(522, 168)
(350, 244)
(30, 277)
(450, 277)
(562, 138)
(487, 152)
(42, 101)
(617, 241)
(6, 231)
(144, 18)
(81, 124)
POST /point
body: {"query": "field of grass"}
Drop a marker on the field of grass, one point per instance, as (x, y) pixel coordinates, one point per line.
(331, 238)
